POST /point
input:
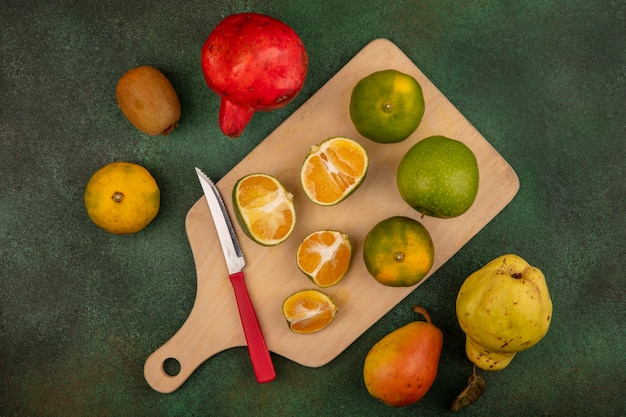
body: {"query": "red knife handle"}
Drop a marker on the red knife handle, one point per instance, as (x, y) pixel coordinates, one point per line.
(259, 355)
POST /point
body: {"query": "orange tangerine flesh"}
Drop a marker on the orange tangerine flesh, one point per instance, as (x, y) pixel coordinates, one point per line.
(324, 257)
(264, 209)
(308, 311)
(333, 170)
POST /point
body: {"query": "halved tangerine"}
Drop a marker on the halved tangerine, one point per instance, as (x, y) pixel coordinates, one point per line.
(264, 209)
(308, 311)
(333, 170)
(324, 257)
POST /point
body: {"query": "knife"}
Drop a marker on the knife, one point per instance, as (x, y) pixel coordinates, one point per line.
(259, 354)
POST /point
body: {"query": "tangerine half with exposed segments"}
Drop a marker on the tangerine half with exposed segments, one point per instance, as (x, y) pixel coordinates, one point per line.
(333, 170)
(264, 209)
(308, 311)
(324, 257)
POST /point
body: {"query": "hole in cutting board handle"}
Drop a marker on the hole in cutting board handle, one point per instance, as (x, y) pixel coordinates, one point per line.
(171, 366)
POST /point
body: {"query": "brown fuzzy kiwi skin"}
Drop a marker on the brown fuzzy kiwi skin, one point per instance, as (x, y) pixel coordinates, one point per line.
(148, 100)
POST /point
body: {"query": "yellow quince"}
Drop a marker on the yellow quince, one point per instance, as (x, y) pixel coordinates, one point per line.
(503, 308)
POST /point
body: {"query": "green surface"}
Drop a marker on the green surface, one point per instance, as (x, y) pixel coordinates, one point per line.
(81, 310)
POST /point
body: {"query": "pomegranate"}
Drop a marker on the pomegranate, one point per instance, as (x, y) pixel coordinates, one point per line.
(255, 63)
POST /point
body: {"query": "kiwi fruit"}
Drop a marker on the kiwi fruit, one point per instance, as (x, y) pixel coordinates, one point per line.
(148, 100)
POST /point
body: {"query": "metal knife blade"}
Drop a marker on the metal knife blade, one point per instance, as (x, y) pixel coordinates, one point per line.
(225, 230)
(259, 354)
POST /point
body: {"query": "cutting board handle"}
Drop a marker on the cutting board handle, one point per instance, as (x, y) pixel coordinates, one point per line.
(188, 358)
(194, 343)
(156, 375)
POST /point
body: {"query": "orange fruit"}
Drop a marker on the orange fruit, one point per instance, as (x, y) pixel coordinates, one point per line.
(324, 257)
(387, 106)
(333, 170)
(122, 198)
(308, 311)
(398, 252)
(264, 209)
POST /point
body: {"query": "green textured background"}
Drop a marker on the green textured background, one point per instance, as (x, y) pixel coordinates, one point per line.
(80, 309)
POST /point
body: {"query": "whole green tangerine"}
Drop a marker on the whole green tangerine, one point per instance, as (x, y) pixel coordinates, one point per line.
(439, 177)
(387, 106)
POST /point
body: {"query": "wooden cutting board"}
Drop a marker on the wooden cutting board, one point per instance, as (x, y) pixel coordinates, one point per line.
(272, 274)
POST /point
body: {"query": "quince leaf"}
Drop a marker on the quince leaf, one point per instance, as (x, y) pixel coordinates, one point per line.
(475, 387)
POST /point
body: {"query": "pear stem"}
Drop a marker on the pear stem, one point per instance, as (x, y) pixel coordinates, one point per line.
(421, 310)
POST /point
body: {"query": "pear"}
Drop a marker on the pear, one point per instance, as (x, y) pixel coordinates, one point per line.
(503, 308)
(400, 369)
